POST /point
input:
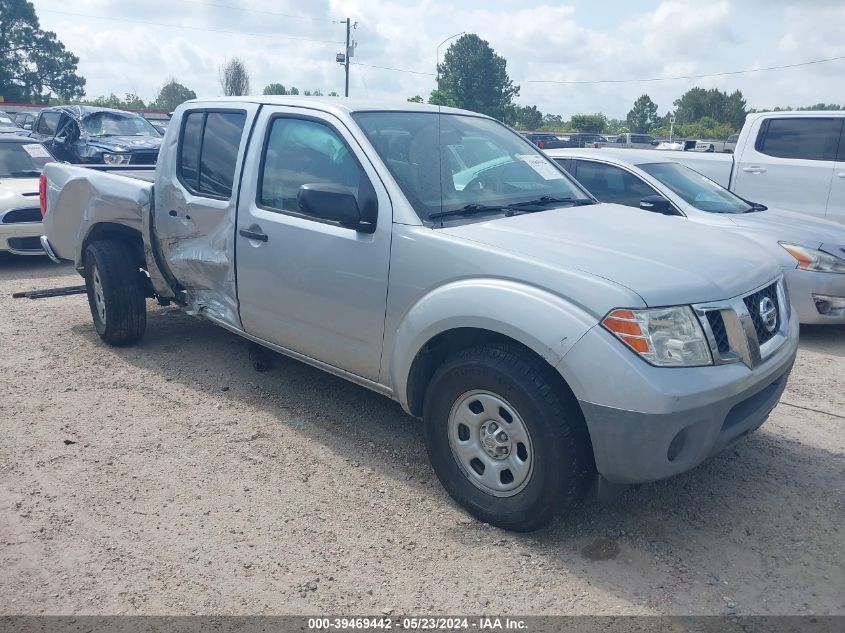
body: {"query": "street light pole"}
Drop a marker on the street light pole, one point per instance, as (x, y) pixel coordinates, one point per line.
(437, 64)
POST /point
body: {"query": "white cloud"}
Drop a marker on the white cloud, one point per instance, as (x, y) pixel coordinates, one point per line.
(574, 42)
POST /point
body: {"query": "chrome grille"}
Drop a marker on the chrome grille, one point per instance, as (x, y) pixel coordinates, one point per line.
(765, 331)
(744, 329)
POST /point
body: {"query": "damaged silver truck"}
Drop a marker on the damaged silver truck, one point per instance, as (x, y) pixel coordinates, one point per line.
(437, 257)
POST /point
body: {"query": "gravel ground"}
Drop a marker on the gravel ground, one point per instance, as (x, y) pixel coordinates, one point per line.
(171, 478)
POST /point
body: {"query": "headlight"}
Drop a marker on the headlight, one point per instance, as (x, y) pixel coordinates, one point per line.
(811, 259)
(666, 337)
(116, 159)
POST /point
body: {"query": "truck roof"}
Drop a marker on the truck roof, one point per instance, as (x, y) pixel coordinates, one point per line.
(338, 104)
(791, 113)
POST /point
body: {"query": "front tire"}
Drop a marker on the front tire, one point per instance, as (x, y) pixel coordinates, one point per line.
(503, 441)
(116, 292)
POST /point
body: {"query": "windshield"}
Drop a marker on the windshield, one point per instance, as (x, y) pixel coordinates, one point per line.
(117, 124)
(22, 160)
(448, 162)
(695, 189)
(6, 120)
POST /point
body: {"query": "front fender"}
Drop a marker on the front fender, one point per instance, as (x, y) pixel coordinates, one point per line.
(540, 320)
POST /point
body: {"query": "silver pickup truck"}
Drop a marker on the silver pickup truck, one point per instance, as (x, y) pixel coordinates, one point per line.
(435, 256)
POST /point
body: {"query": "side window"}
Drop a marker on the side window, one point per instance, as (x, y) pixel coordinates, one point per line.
(208, 152)
(299, 152)
(612, 184)
(566, 163)
(808, 139)
(48, 123)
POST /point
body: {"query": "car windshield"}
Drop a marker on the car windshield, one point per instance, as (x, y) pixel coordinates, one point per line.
(6, 120)
(695, 189)
(22, 160)
(446, 163)
(117, 124)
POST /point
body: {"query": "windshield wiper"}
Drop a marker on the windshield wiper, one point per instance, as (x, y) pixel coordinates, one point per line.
(470, 209)
(546, 201)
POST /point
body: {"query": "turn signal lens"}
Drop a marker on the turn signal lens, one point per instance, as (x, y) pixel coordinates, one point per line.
(666, 337)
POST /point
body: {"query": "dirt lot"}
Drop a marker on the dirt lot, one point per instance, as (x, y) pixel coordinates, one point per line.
(172, 478)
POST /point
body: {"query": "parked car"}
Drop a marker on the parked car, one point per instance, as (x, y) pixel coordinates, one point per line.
(730, 143)
(25, 120)
(541, 336)
(84, 134)
(790, 160)
(811, 250)
(8, 126)
(635, 140)
(21, 162)
(545, 140)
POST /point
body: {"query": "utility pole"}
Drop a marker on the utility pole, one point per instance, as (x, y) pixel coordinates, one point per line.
(343, 58)
(346, 60)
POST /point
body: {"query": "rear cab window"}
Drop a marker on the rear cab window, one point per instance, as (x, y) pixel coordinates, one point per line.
(810, 138)
(48, 123)
(208, 151)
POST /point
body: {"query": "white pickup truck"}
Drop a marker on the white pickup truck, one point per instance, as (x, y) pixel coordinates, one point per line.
(789, 160)
(437, 257)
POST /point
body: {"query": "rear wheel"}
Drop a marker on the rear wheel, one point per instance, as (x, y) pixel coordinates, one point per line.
(504, 443)
(116, 292)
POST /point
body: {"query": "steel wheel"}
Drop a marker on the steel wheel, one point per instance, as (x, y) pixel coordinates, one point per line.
(490, 443)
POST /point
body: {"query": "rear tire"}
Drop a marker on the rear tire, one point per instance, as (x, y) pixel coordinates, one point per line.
(503, 441)
(116, 292)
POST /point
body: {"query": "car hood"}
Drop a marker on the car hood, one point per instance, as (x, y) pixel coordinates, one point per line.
(665, 260)
(18, 192)
(797, 228)
(126, 144)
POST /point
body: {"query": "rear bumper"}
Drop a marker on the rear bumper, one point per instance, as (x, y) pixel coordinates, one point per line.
(661, 422)
(21, 238)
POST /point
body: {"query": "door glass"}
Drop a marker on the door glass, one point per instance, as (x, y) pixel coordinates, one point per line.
(611, 184)
(220, 145)
(47, 123)
(300, 152)
(189, 150)
(808, 139)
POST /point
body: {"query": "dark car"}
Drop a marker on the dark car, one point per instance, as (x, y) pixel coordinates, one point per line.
(545, 140)
(84, 134)
(25, 120)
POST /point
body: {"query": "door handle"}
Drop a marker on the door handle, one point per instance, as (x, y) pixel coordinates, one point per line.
(258, 236)
(754, 170)
(841, 175)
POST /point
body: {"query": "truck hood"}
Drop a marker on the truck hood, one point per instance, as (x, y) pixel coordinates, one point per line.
(797, 228)
(18, 192)
(125, 144)
(665, 260)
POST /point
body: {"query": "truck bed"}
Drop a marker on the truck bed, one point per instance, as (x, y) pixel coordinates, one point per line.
(79, 197)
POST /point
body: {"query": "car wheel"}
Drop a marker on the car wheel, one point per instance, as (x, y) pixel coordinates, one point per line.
(115, 293)
(503, 441)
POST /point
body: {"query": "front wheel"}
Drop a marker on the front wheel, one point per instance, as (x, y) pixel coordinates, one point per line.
(503, 441)
(116, 293)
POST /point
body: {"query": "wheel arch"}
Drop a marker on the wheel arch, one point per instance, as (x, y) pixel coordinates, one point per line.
(118, 232)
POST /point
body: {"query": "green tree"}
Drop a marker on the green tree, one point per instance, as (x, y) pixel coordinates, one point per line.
(476, 78)
(415, 99)
(735, 110)
(588, 122)
(643, 116)
(33, 63)
(442, 98)
(526, 117)
(553, 122)
(698, 103)
(275, 89)
(705, 128)
(293, 90)
(172, 95)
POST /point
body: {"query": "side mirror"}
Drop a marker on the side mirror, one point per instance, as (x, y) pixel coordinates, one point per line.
(61, 140)
(657, 204)
(330, 202)
(27, 126)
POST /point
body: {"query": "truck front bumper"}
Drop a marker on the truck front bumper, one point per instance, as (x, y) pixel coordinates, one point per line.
(648, 423)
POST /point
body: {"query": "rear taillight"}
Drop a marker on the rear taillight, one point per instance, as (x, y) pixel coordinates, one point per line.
(42, 193)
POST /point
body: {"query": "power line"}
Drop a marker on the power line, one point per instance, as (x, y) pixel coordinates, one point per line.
(398, 70)
(722, 74)
(192, 28)
(622, 81)
(233, 8)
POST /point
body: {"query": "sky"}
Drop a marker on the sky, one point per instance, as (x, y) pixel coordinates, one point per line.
(127, 46)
